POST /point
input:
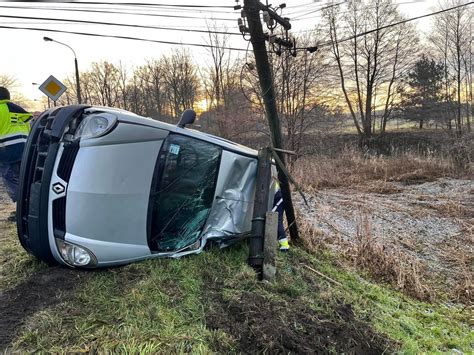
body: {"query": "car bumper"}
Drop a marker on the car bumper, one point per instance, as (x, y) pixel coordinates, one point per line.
(38, 164)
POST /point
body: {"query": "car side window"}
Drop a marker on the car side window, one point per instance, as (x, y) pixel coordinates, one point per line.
(183, 197)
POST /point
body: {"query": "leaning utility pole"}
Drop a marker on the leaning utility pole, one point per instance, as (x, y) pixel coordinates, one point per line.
(258, 39)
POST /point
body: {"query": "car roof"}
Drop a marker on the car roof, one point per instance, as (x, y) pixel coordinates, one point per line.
(126, 116)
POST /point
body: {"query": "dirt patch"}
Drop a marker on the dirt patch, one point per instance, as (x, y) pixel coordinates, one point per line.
(260, 325)
(42, 290)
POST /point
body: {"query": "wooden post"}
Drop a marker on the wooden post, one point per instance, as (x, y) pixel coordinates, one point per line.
(270, 246)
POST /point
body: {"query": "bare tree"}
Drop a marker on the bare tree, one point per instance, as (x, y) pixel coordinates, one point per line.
(370, 67)
(452, 41)
(104, 79)
(182, 82)
(122, 80)
(146, 91)
(221, 83)
(8, 81)
(301, 87)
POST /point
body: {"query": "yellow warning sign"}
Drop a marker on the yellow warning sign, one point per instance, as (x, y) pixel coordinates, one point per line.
(53, 88)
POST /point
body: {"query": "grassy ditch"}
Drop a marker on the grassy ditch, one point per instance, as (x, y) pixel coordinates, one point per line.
(213, 303)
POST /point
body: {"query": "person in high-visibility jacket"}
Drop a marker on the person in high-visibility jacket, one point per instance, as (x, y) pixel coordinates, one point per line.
(14, 129)
(279, 207)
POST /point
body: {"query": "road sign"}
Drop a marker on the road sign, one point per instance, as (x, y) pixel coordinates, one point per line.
(53, 88)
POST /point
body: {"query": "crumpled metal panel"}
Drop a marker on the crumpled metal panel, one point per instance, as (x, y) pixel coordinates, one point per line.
(232, 209)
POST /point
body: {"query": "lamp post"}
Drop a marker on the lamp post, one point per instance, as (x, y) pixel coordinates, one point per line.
(78, 86)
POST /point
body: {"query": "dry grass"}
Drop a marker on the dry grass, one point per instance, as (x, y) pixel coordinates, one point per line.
(388, 264)
(452, 209)
(457, 252)
(378, 174)
(464, 292)
(354, 168)
(380, 187)
(312, 239)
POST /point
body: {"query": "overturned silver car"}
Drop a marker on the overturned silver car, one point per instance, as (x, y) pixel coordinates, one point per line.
(102, 187)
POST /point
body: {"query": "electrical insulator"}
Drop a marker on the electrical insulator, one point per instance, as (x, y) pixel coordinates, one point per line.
(266, 17)
(282, 6)
(243, 13)
(279, 52)
(240, 22)
(271, 38)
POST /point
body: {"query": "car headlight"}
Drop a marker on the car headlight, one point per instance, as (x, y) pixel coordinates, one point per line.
(95, 125)
(75, 255)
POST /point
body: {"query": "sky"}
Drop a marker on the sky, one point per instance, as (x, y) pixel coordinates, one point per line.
(31, 60)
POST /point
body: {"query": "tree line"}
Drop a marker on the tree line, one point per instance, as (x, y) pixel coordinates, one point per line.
(392, 72)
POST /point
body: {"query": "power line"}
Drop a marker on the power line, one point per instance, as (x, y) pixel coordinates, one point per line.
(304, 5)
(149, 8)
(118, 24)
(361, 9)
(125, 7)
(392, 25)
(320, 9)
(109, 12)
(122, 37)
(145, 4)
(303, 8)
(171, 28)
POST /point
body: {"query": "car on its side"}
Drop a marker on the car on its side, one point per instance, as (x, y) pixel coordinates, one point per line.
(102, 187)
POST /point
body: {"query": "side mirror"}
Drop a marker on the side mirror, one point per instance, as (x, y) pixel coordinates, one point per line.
(188, 117)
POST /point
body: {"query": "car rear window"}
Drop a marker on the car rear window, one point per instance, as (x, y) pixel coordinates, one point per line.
(183, 195)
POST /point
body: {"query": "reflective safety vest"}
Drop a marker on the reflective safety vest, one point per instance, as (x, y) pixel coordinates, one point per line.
(14, 126)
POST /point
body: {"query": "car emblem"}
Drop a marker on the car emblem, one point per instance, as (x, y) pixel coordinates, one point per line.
(58, 188)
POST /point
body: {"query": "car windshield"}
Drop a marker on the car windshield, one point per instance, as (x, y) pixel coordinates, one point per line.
(182, 196)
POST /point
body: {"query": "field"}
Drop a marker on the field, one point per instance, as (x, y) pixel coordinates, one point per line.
(385, 265)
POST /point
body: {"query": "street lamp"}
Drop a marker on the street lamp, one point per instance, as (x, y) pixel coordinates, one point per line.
(78, 86)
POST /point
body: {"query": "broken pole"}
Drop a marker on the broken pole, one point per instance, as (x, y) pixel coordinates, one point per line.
(257, 38)
(270, 246)
(260, 208)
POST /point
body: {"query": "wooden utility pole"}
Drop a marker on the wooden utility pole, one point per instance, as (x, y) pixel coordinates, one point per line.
(257, 37)
(260, 208)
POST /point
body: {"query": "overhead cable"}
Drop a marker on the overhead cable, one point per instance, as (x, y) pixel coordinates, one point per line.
(116, 24)
(62, 9)
(328, 43)
(319, 9)
(361, 9)
(145, 4)
(121, 37)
